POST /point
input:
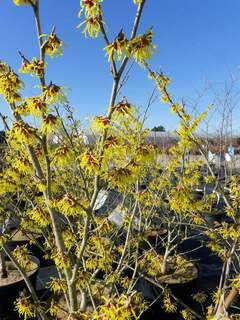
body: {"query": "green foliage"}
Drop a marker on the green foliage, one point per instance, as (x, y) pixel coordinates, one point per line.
(158, 129)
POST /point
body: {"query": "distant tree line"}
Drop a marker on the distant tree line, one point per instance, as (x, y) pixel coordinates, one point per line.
(158, 129)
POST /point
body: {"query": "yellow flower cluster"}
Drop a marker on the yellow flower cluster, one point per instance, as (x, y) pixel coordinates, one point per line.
(146, 152)
(162, 82)
(63, 155)
(89, 162)
(200, 297)
(105, 256)
(3, 67)
(123, 108)
(57, 285)
(32, 106)
(103, 263)
(22, 255)
(83, 279)
(120, 177)
(25, 308)
(229, 231)
(3, 239)
(119, 46)
(53, 45)
(187, 315)
(169, 305)
(152, 262)
(217, 295)
(90, 8)
(92, 11)
(234, 194)
(68, 238)
(35, 67)
(9, 181)
(105, 227)
(236, 283)
(70, 206)
(21, 2)
(52, 94)
(50, 123)
(142, 47)
(137, 1)
(61, 260)
(22, 133)
(111, 142)
(9, 84)
(21, 109)
(230, 211)
(122, 307)
(53, 308)
(22, 164)
(40, 217)
(100, 123)
(92, 27)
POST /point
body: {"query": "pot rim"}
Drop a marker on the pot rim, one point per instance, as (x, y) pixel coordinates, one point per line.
(36, 261)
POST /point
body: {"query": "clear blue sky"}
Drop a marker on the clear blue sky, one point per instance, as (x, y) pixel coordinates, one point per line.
(196, 40)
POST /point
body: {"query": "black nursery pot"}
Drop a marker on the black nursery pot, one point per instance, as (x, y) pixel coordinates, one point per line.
(33, 248)
(197, 194)
(154, 237)
(10, 292)
(182, 291)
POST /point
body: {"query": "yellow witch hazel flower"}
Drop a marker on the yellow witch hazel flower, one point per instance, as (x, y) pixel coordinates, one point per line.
(200, 297)
(40, 216)
(53, 308)
(92, 27)
(187, 315)
(25, 308)
(137, 1)
(91, 8)
(123, 108)
(50, 123)
(57, 285)
(22, 164)
(53, 45)
(70, 206)
(122, 307)
(120, 177)
(35, 67)
(169, 305)
(146, 152)
(3, 67)
(161, 82)
(68, 238)
(142, 47)
(236, 282)
(22, 109)
(10, 180)
(100, 123)
(119, 46)
(22, 133)
(89, 161)
(36, 106)
(22, 255)
(21, 2)
(111, 142)
(61, 260)
(53, 93)
(9, 84)
(62, 156)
